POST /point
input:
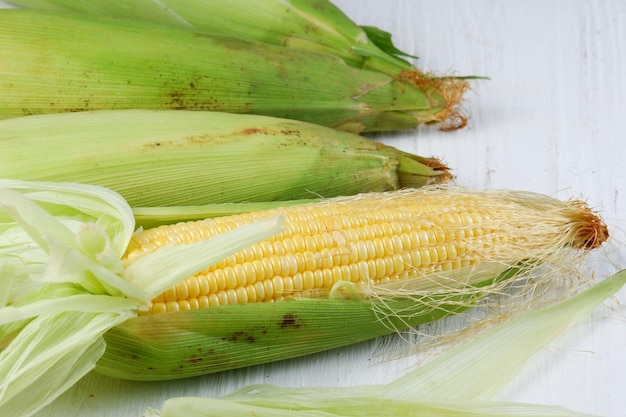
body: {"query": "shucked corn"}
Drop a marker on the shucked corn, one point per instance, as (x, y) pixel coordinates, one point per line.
(372, 240)
(346, 270)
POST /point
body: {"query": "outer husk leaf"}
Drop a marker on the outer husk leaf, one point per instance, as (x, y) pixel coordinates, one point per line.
(447, 386)
(317, 26)
(186, 158)
(63, 283)
(65, 63)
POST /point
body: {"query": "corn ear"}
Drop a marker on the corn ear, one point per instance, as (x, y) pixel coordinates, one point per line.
(453, 248)
(187, 158)
(53, 63)
(316, 26)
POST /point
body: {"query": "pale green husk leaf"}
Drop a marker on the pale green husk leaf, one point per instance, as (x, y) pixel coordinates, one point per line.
(63, 284)
(460, 382)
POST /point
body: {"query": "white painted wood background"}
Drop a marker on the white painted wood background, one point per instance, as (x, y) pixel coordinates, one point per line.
(549, 120)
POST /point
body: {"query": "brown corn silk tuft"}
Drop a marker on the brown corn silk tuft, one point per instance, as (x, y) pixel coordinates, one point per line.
(408, 243)
(451, 89)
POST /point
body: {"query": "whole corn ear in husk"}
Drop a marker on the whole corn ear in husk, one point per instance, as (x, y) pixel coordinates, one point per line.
(53, 63)
(342, 271)
(186, 158)
(311, 25)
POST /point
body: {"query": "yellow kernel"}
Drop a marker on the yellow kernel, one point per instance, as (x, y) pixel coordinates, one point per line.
(377, 268)
(239, 258)
(170, 294)
(466, 218)
(251, 294)
(213, 300)
(353, 235)
(241, 295)
(277, 264)
(361, 249)
(158, 308)
(160, 241)
(208, 283)
(184, 305)
(258, 270)
(423, 237)
(193, 286)
(310, 243)
(193, 303)
(298, 282)
(389, 265)
(340, 237)
(240, 275)
(231, 277)
(171, 306)
(223, 297)
(182, 290)
(327, 278)
(310, 261)
(318, 279)
(352, 250)
(259, 289)
(442, 253)
(287, 285)
(432, 251)
(355, 273)
(440, 234)
(288, 245)
(406, 240)
(308, 280)
(425, 255)
(398, 263)
(266, 248)
(298, 243)
(232, 260)
(279, 249)
(326, 258)
(279, 286)
(327, 240)
(364, 272)
(220, 279)
(293, 264)
(337, 274)
(268, 285)
(268, 268)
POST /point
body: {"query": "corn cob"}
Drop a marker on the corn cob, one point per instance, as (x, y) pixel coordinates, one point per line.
(52, 63)
(182, 158)
(379, 262)
(312, 25)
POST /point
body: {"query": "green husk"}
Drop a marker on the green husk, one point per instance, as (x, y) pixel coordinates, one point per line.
(459, 382)
(63, 284)
(148, 217)
(54, 63)
(198, 342)
(316, 26)
(188, 158)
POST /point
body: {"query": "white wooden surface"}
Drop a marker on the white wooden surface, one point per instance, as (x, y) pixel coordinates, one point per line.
(549, 120)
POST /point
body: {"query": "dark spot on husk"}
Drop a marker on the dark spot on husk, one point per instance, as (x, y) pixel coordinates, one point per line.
(290, 321)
